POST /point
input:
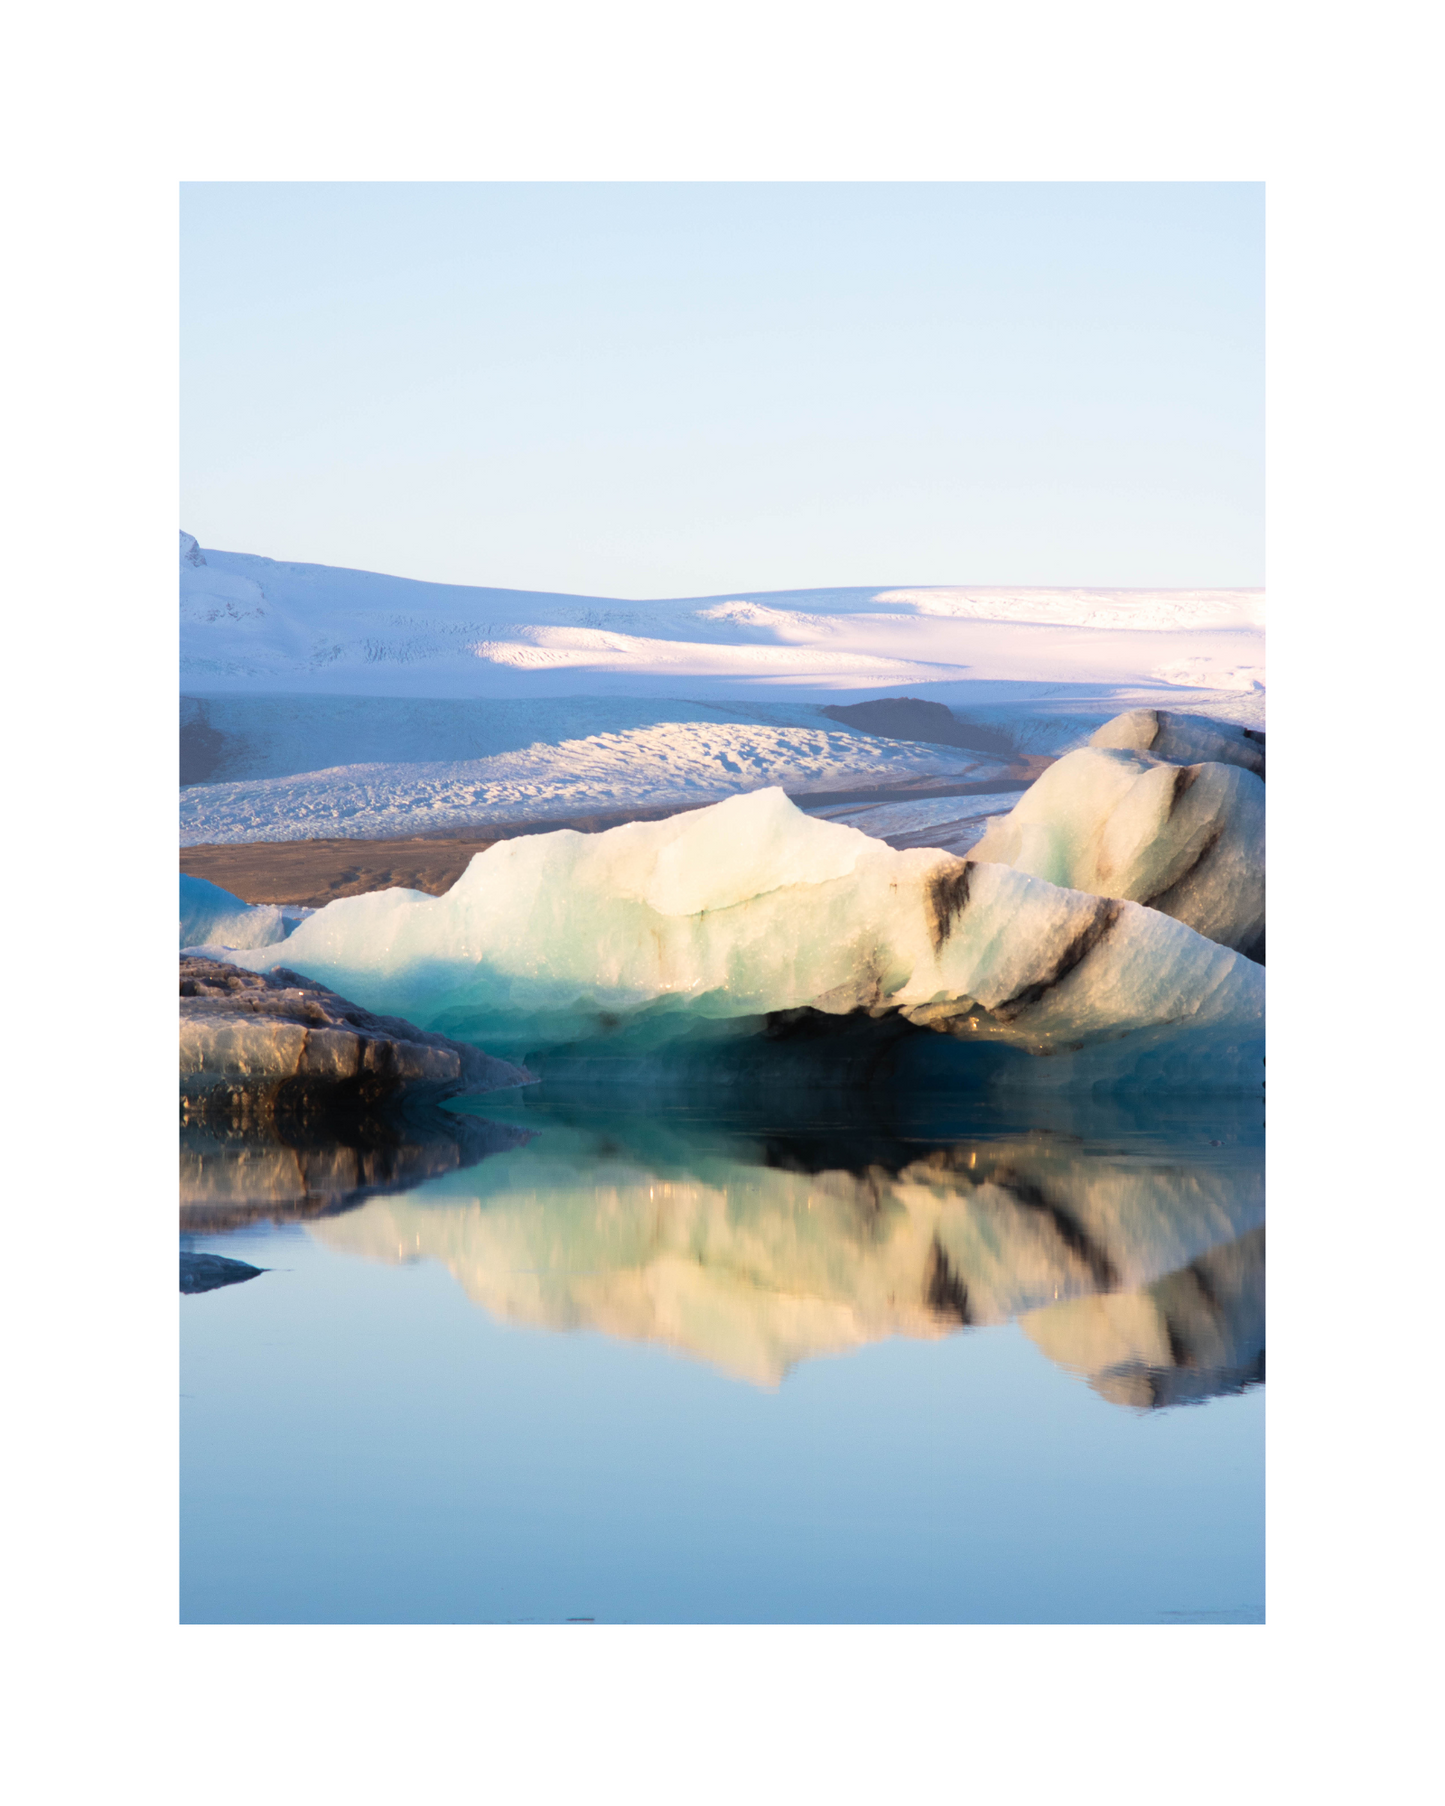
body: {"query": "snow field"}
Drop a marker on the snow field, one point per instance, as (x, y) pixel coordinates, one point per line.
(254, 625)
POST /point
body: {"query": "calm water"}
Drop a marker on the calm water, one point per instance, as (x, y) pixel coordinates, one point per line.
(564, 1361)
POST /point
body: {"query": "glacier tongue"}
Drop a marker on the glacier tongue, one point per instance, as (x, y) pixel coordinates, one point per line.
(750, 908)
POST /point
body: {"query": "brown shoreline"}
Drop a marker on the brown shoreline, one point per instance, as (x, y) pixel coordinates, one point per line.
(312, 873)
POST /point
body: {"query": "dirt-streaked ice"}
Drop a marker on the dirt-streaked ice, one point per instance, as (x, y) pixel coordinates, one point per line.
(749, 907)
(1185, 839)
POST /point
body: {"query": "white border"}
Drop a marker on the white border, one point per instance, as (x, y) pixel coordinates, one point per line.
(109, 109)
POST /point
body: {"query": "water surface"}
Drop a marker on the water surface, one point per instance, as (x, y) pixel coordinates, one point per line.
(571, 1360)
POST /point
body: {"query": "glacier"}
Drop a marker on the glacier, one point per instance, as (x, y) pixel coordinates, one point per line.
(720, 921)
(675, 764)
(1185, 839)
(212, 917)
(323, 702)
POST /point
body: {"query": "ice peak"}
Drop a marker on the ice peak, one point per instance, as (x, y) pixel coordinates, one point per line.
(190, 550)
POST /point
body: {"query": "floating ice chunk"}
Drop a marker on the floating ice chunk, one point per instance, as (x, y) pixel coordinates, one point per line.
(750, 908)
(1183, 739)
(213, 917)
(1185, 839)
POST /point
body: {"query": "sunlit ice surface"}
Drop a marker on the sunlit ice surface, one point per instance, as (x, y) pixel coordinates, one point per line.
(913, 1359)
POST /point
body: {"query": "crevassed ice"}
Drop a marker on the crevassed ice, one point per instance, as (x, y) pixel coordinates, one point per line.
(1185, 839)
(750, 907)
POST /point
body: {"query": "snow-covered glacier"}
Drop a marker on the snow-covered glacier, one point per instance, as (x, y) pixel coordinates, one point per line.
(252, 625)
(721, 920)
(1186, 839)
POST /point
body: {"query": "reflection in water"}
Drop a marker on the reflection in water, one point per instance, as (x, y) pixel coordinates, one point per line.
(1134, 1258)
(287, 1173)
(1195, 1334)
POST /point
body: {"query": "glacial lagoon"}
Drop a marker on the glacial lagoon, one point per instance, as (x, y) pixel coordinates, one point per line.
(557, 1356)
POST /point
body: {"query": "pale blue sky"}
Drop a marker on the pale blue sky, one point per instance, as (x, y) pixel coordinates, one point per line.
(653, 389)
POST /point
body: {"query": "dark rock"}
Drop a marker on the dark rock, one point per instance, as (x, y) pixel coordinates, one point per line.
(205, 1272)
(910, 718)
(258, 1047)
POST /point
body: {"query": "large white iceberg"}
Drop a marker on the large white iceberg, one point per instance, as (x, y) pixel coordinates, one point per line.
(1185, 839)
(734, 913)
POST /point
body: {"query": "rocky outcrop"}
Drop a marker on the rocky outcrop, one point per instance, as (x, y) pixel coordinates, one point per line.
(209, 1272)
(910, 718)
(256, 1047)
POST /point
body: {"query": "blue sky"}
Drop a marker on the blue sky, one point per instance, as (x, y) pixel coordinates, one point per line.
(653, 389)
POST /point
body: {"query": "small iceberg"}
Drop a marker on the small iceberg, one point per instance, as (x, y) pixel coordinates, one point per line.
(212, 917)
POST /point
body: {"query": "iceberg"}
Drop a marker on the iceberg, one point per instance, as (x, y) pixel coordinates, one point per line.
(1184, 739)
(722, 919)
(212, 917)
(1187, 840)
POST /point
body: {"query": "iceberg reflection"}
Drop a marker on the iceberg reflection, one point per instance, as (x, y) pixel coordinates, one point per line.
(1135, 1259)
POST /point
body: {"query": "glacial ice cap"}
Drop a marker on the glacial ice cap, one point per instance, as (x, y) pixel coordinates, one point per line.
(1184, 839)
(750, 907)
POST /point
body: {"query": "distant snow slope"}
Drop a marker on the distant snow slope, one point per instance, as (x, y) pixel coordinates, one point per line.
(252, 625)
(336, 702)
